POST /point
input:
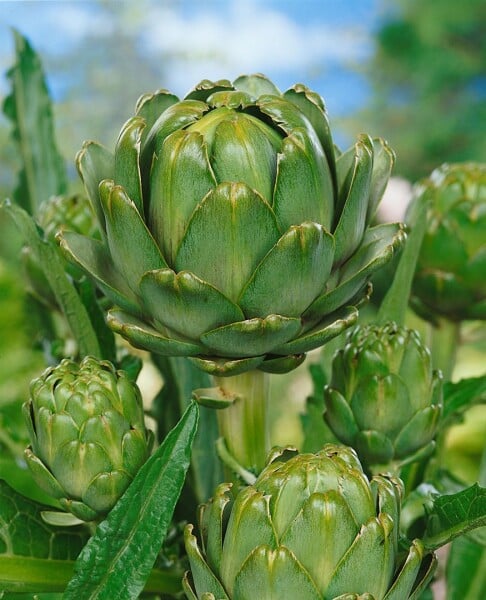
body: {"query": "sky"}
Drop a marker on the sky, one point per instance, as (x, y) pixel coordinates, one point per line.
(319, 42)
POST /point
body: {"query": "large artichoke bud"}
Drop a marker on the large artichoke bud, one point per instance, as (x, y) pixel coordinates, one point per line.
(87, 432)
(311, 528)
(71, 212)
(384, 399)
(450, 277)
(231, 233)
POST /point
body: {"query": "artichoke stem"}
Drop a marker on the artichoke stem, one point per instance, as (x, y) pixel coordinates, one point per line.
(444, 342)
(244, 424)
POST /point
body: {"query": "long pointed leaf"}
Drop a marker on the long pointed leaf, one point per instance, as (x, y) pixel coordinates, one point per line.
(42, 172)
(64, 291)
(117, 560)
(395, 303)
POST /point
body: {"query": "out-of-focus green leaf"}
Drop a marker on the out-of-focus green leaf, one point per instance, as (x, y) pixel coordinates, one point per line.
(118, 559)
(66, 295)
(34, 556)
(316, 431)
(453, 515)
(106, 337)
(29, 108)
(395, 302)
(181, 377)
(466, 570)
(460, 396)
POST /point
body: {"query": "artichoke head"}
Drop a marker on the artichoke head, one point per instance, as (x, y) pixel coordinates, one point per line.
(71, 212)
(384, 399)
(313, 528)
(233, 231)
(88, 436)
(450, 277)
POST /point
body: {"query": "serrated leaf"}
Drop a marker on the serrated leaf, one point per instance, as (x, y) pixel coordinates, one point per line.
(117, 560)
(34, 556)
(453, 515)
(64, 291)
(28, 106)
(460, 396)
(466, 572)
(395, 302)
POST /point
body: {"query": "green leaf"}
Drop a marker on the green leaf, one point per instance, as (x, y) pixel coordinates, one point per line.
(455, 514)
(466, 570)
(117, 560)
(315, 429)
(181, 377)
(64, 291)
(106, 338)
(29, 108)
(34, 556)
(460, 396)
(395, 303)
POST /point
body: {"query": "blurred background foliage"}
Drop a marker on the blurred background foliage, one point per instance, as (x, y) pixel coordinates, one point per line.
(414, 73)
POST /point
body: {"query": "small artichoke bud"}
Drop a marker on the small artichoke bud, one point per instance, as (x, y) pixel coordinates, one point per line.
(311, 527)
(55, 214)
(450, 276)
(384, 399)
(71, 212)
(88, 436)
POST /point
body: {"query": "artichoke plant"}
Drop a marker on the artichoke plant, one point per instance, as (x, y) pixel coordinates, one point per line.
(384, 399)
(450, 277)
(88, 436)
(313, 528)
(233, 231)
(73, 212)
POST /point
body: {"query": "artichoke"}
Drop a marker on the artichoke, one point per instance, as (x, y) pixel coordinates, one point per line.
(231, 232)
(450, 276)
(88, 436)
(312, 528)
(73, 212)
(384, 399)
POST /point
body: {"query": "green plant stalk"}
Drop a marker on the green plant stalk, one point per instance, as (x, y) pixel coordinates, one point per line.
(244, 424)
(27, 574)
(444, 340)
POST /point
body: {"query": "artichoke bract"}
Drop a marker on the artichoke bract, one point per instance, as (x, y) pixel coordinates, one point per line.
(233, 231)
(88, 436)
(313, 528)
(384, 399)
(450, 277)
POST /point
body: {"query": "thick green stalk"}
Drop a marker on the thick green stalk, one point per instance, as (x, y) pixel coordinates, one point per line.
(244, 424)
(444, 342)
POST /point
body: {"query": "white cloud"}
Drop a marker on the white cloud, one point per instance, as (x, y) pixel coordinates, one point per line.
(74, 21)
(244, 38)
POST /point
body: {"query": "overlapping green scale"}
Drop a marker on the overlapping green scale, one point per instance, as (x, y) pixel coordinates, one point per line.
(310, 527)
(88, 436)
(384, 399)
(234, 201)
(449, 279)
